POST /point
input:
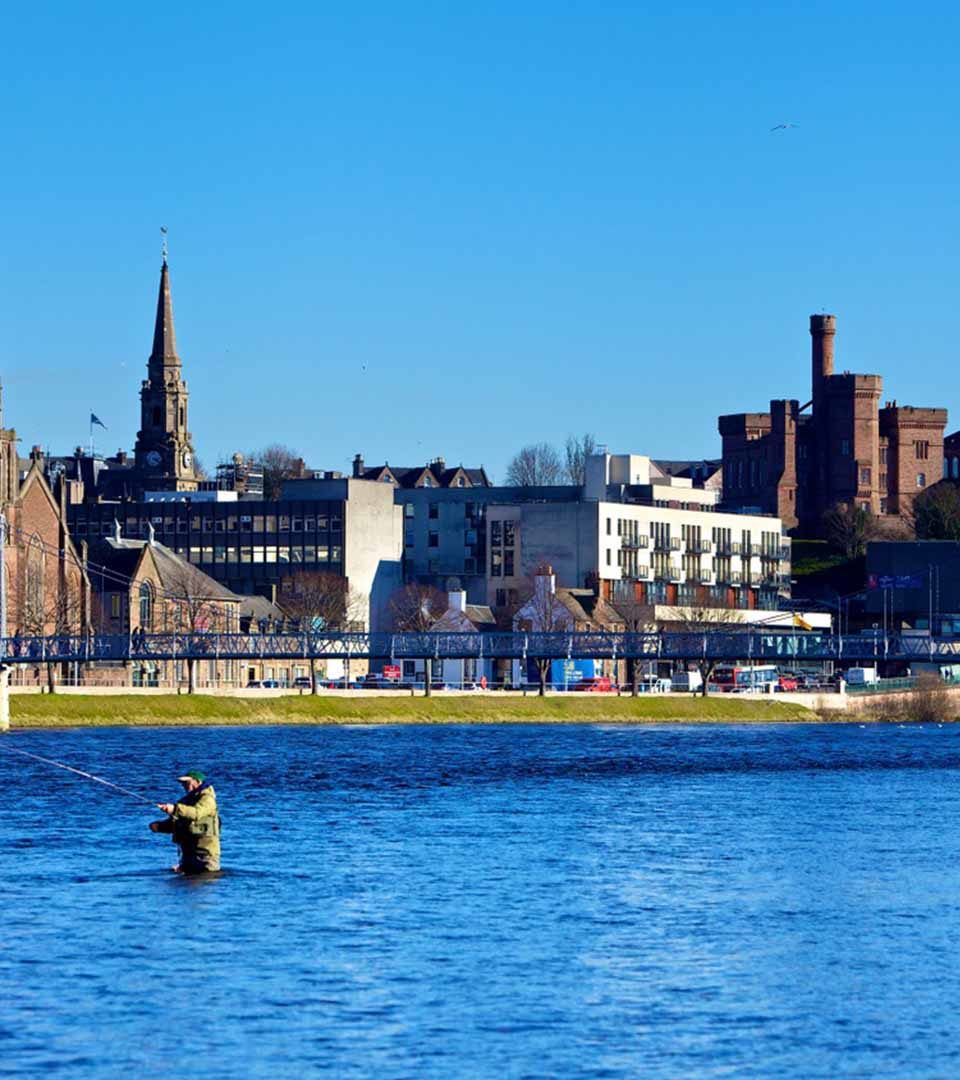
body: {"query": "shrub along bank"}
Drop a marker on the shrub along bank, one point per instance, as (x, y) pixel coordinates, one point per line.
(27, 711)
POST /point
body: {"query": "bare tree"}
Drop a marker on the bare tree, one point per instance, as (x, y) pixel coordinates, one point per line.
(849, 528)
(191, 608)
(543, 613)
(48, 597)
(279, 463)
(320, 602)
(415, 608)
(636, 615)
(576, 451)
(704, 619)
(535, 465)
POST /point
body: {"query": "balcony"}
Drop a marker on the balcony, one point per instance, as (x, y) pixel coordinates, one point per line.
(675, 573)
(736, 578)
(752, 549)
(635, 543)
(667, 543)
(699, 547)
(785, 552)
(706, 577)
(735, 547)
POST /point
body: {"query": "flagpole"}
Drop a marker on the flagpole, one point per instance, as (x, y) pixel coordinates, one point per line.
(91, 435)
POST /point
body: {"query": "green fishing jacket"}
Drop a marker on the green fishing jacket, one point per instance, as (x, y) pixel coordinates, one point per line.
(196, 827)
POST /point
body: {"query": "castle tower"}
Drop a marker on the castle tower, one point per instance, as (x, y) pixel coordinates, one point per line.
(164, 449)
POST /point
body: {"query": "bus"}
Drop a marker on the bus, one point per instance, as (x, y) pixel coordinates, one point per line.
(730, 678)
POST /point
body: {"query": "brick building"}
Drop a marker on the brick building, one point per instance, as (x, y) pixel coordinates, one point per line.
(47, 587)
(796, 461)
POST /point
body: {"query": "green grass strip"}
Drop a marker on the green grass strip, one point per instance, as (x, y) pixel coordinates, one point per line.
(62, 710)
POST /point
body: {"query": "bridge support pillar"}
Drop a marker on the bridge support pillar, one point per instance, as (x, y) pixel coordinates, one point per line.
(4, 698)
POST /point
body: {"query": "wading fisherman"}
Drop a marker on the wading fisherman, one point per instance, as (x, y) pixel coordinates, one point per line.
(195, 824)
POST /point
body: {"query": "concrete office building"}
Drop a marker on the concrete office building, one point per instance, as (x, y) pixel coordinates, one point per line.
(342, 526)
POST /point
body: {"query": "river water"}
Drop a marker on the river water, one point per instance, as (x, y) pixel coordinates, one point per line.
(503, 901)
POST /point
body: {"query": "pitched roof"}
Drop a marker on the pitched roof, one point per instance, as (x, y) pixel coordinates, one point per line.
(411, 476)
(177, 576)
(585, 606)
(474, 618)
(701, 469)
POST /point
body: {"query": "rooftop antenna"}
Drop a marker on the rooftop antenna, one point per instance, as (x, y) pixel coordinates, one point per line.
(163, 244)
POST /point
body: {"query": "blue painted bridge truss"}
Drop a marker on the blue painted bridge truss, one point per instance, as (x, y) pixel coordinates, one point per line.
(745, 645)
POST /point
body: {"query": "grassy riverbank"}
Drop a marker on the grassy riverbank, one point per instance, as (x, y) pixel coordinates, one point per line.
(33, 711)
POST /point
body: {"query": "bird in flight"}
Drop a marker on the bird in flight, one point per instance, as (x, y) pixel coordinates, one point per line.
(784, 126)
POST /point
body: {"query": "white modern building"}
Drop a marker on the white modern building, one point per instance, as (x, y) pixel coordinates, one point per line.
(658, 540)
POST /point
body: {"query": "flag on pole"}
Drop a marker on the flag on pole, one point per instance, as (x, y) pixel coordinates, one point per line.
(94, 419)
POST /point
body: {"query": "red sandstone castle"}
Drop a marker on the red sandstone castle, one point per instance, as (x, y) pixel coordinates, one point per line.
(796, 461)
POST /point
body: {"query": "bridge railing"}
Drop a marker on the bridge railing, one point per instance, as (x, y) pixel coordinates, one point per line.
(743, 645)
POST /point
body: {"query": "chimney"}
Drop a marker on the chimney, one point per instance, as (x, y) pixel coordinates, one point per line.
(121, 457)
(456, 600)
(151, 534)
(358, 466)
(544, 581)
(116, 530)
(822, 330)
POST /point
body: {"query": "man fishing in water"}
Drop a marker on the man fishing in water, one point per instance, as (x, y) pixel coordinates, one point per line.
(195, 824)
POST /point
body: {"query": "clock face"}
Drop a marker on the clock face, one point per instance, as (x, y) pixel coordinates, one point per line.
(186, 459)
(153, 458)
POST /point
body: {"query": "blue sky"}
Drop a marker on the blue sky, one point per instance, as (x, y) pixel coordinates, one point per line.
(417, 230)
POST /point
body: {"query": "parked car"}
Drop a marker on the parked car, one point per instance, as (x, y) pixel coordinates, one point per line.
(595, 684)
(374, 680)
(302, 682)
(787, 682)
(263, 684)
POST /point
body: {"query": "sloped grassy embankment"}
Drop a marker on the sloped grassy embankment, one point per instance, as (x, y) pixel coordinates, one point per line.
(76, 711)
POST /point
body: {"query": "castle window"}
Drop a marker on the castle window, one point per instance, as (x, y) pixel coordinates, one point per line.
(865, 475)
(922, 449)
(921, 479)
(883, 455)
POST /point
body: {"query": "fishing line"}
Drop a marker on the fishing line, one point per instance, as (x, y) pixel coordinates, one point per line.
(79, 772)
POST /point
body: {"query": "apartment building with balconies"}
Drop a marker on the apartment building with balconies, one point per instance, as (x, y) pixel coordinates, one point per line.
(661, 542)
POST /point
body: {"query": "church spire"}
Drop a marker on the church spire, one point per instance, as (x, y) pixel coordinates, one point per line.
(164, 352)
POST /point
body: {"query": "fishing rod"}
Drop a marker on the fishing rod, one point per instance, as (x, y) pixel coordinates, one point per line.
(79, 772)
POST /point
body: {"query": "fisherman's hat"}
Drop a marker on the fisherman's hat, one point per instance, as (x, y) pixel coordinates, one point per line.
(194, 774)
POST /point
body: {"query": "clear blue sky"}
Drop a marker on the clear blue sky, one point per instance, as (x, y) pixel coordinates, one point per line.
(415, 230)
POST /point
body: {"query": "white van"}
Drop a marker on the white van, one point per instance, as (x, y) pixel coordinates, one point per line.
(688, 682)
(861, 676)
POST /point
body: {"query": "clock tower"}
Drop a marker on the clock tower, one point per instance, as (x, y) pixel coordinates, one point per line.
(164, 450)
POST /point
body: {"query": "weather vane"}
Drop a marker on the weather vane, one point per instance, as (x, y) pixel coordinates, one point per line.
(163, 246)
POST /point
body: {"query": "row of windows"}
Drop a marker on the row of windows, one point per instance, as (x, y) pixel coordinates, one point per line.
(308, 553)
(258, 523)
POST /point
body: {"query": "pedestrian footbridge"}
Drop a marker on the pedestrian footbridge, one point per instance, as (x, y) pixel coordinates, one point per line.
(743, 645)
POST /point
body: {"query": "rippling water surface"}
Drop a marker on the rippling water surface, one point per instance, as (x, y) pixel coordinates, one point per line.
(488, 902)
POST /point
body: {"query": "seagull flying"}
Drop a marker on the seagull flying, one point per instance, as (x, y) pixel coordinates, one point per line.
(783, 127)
